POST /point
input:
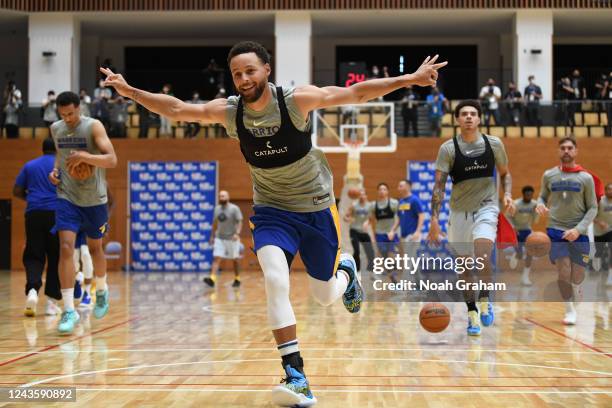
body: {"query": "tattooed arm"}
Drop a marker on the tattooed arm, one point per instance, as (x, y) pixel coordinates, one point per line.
(506, 181)
(437, 196)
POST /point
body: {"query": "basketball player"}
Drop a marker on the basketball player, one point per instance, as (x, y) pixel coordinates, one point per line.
(293, 192)
(81, 203)
(410, 218)
(522, 220)
(383, 215)
(470, 158)
(226, 231)
(603, 233)
(568, 198)
(357, 215)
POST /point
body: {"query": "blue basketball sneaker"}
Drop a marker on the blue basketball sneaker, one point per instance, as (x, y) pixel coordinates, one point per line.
(66, 324)
(486, 312)
(473, 328)
(78, 291)
(353, 296)
(85, 301)
(101, 307)
(294, 392)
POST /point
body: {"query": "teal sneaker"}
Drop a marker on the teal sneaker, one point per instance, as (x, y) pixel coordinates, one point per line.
(487, 316)
(67, 322)
(473, 324)
(294, 392)
(353, 296)
(101, 307)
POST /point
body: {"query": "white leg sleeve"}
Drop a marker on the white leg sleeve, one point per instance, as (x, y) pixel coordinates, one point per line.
(76, 257)
(327, 292)
(87, 262)
(276, 275)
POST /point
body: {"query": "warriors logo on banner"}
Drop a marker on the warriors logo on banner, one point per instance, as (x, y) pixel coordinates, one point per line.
(171, 215)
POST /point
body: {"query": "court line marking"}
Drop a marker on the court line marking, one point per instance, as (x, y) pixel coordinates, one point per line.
(442, 391)
(602, 345)
(311, 375)
(303, 349)
(324, 385)
(73, 375)
(550, 329)
(33, 353)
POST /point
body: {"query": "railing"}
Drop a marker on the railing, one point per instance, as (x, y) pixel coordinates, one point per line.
(582, 118)
(177, 5)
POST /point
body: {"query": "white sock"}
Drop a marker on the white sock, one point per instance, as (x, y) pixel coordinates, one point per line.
(288, 347)
(526, 272)
(577, 288)
(569, 307)
(68, 298)
(79, 277)
(88, 288)
(101, 283)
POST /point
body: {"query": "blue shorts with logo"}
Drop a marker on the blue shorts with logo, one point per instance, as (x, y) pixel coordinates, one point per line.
(316, 235)
(578, 251)
(385, 246)
(92, 221)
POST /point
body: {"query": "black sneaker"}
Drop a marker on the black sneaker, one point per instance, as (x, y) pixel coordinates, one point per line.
(236, 283)
(208, 280)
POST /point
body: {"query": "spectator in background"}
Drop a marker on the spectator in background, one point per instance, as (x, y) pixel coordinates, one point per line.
(10, 93)
(410, 111)
(375, 73)
(599, 94)
(436, 103)
(118, 118)
(193, 128)
(513, 104)
(165, 127)
(11, 116)
(144, 121)
(85, 103)
(101, 101)
(49, 110)
(490, 94)
(579, 85)
(566, 106)
(533, 94)
(213, 79)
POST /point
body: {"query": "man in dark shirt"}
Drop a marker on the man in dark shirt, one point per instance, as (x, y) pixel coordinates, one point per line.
(33, 186)
(532, 94)
(513, 104)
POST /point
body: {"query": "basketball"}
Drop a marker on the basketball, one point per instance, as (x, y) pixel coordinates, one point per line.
(354, 193)
(434, 317)
(537, 244)
(82, 171)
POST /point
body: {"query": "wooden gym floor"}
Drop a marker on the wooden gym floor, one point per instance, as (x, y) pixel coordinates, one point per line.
(169, 342)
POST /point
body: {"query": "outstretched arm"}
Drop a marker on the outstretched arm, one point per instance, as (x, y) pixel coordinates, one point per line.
(309, 98)
(166, 105)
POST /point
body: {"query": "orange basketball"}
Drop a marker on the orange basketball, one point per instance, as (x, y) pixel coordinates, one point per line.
(82, 171)
(434, 317)
(354, 193)
(537, 244)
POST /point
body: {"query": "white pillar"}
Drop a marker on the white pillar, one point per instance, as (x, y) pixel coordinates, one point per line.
(533, 47)
(293, 65)
(57, 34)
